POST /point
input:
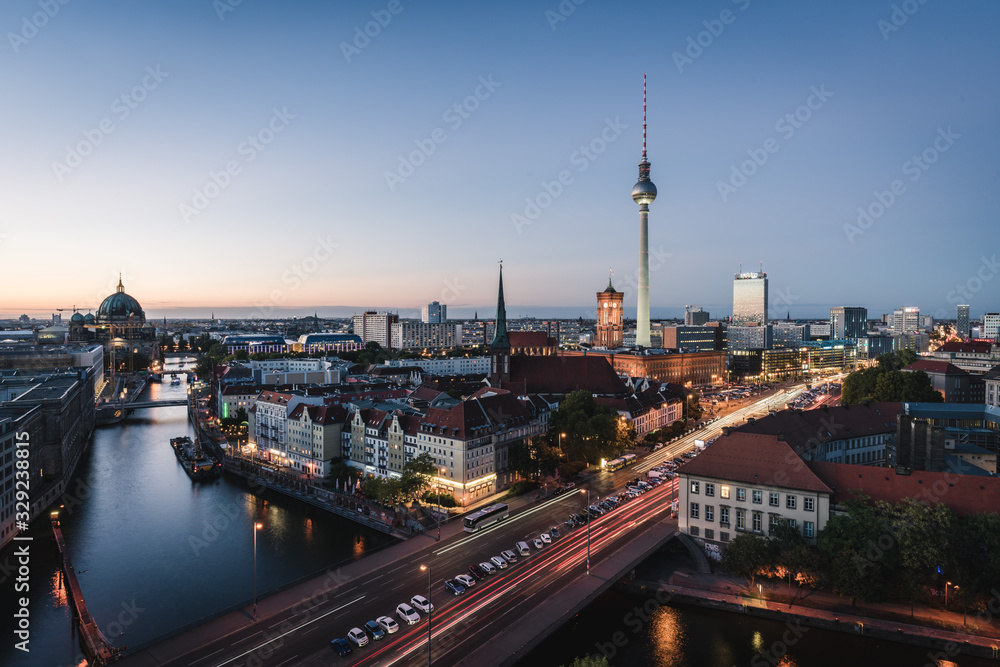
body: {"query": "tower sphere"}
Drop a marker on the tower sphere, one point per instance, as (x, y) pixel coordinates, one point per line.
(644, 192)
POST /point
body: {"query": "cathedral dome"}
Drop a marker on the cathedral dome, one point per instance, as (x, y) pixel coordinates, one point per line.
(77, 318)
(120, 308)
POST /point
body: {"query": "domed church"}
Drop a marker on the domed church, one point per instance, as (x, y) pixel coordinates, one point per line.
(120, 322)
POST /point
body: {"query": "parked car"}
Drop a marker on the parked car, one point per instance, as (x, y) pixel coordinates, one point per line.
(545, 538)
(500, 562)
(477, 572)
(554, 532)
(421, 603)
(358, 636)
(375, 630)
(538, 543)
(453, 587)
(342, 646)
(407, 614)
(509, 555)
(387, 624)
(465, 580)
(488, 568)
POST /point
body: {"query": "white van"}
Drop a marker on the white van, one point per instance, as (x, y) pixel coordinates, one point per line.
(522, 548)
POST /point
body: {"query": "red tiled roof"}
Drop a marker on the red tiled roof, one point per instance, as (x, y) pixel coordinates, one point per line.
(806, 428)
(964, 494)
(472, 418)
(966, 347)
(754, 459)
(561, 375)
(939, 367)
(531, 339)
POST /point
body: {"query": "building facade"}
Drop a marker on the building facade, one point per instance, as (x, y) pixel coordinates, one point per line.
(750, 299)
(434, 313)
(412, 335)
(906, 319)
(610, 319)
(695, 316)
(848, 322)
(962, 321)
(372, 326)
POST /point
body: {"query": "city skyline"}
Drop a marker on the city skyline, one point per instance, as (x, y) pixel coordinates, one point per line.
(279, 160)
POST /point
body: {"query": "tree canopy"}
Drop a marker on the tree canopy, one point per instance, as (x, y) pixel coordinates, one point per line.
(592, 430)
(887, 382)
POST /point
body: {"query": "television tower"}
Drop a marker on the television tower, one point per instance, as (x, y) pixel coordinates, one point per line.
(643, 194)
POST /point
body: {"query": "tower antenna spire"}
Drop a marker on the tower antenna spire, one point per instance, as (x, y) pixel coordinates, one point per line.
(643, 115)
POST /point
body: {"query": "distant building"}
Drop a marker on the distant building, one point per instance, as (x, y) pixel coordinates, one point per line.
(410, 335)
(695, 316)
(750, 337)
(918, 342)
(372, 326)
(906, 319)
(691, 338)
(972, 356)
(610, 321)
(848, 322)
(789, 334)
(254, 343)
(446, 365)
(329, 342)
(663, 366)
(956, 385)
(962, 321)
(434, 313)
(749, 299)
(991, 382)
(874, 346)
(991, 326)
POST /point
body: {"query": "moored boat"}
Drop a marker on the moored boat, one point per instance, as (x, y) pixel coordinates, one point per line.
(196, 463)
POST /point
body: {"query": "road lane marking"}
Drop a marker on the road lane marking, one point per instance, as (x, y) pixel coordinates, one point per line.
(505, 522)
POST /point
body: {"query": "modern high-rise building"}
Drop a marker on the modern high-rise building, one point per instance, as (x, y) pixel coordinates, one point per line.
(962, 321)
(991, 326)
(695, 316)
(643, 194)
(610, 324)
(848, 322)
(372, 326)
(750, 299)
(906, 319)
(434, 313)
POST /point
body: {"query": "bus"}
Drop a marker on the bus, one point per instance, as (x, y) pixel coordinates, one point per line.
(629, 459)
(615, 464)
(485, 517)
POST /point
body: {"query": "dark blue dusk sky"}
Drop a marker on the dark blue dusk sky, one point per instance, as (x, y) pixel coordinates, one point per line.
(354, 180)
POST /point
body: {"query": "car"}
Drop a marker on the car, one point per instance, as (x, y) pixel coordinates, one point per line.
(375, 630)
(342, 646)
(570, 523)
(488, 568)
(477, 572)
(407, 614)
(546, 538)
(509, 555)
(358, 636)
(538, 543)
(422, 604)
(465, 580)
(500, 562)
(453, 587)
(387, 624)
(554, 532)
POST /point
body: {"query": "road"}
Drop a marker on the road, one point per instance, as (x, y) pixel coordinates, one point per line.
(301, 635)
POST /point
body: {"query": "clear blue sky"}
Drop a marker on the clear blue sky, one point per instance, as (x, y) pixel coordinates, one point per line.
(309, 218)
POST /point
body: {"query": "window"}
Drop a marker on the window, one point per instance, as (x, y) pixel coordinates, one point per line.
(709, 512)
(792, 524)
(694, 487)
(807, 504)
(724, 492)
(709, 489)
(757, 522)
(741, 494)
(709, 534)
(724, 537)
(724, 516)
(694, 530)
(757, 497)
(790, 501)
(773, 499)
(808, 529)
(741, 519)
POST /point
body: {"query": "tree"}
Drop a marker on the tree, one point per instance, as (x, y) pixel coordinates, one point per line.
(921, 533)
(416, 474)
(858, 550)
(747, 555)
(340, 472)
(888, 383)
(593, 430)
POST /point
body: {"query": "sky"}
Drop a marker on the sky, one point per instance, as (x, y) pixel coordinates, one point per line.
(263, 158)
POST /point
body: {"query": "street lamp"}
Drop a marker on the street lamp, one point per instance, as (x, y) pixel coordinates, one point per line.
(561, 436)
(430, 611)
(946, 585)
(256, 527)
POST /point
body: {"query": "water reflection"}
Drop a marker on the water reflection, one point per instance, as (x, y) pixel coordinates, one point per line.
(666, 632)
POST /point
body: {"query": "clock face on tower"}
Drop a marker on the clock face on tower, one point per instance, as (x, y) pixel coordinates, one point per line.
(605, 304)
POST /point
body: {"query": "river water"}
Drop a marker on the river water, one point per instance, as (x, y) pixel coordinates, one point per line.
(154, 551)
